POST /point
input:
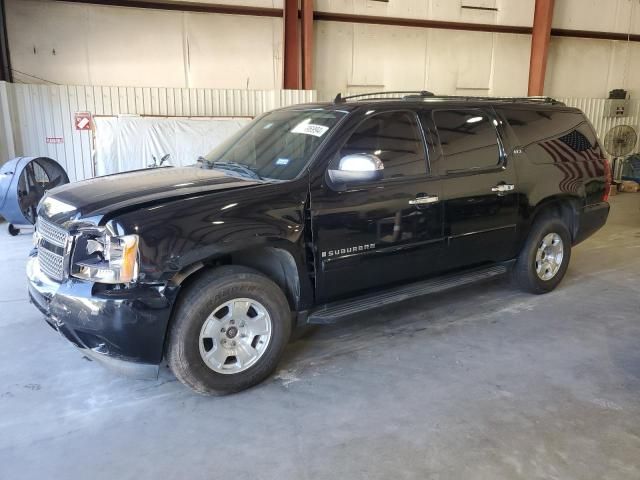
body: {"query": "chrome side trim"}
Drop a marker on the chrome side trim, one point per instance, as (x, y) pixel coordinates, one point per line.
(424, 200)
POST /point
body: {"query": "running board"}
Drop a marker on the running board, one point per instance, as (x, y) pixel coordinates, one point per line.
(333, 312)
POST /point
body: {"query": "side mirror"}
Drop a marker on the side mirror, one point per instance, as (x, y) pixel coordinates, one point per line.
(357, 168)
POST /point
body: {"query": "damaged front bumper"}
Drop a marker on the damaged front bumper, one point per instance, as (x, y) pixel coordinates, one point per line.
(122, 328)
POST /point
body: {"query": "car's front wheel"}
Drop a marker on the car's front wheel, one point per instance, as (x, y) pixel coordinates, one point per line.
(229, 331)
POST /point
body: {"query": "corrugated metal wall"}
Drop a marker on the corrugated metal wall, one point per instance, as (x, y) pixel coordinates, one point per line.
(596, 110)
(43, 115)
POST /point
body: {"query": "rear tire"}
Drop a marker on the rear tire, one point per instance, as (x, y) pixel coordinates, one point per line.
(229, 331)
(544, 259)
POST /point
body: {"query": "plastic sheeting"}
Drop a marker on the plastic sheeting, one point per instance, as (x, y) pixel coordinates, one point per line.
(130, 142)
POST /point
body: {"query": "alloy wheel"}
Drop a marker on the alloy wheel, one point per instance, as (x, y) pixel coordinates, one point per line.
(549, 256)
(235, 335)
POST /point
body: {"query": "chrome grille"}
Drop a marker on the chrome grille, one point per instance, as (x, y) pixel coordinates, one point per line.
(52, 233)
(51, 262)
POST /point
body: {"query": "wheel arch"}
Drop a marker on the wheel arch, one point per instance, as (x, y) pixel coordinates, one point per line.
(566, 207)
(275, 261)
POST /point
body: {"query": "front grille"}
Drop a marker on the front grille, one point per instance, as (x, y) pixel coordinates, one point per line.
(51, 264)
(51, 247)
(52, 233)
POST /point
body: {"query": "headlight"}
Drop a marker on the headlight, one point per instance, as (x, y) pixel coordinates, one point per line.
(106, 258)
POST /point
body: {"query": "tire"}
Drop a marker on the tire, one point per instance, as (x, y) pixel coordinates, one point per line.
(530, 272)
(13, 231)
(195, 327)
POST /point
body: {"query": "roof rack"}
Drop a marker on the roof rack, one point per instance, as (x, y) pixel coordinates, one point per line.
(404, 94)
(426, 95)
(532, 99)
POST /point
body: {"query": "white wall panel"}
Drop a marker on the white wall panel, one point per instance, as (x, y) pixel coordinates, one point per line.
(579, 67)
(334, 61)
(67, 43)
(621, 16)
(85, 44)
(42, 112)
(362, 58)
(510, 76)
(133, 47)
(219, 57)
(509, 12)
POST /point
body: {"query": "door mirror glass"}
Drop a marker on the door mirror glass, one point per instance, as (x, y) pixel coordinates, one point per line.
(357, 168)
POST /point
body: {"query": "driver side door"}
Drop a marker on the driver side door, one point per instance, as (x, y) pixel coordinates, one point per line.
(379, 232)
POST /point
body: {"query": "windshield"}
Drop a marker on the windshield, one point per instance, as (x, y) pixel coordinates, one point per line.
(277, 145)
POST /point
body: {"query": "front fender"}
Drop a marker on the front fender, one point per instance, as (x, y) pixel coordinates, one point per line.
(183, 232)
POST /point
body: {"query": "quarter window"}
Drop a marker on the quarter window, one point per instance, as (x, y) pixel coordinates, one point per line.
(468, 139)
(395, 138)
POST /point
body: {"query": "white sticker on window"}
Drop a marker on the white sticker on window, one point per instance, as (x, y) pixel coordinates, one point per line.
(282, 161)
(310, 129)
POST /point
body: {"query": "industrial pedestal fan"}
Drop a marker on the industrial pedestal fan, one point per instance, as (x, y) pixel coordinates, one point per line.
(619, 142)
(23, 182)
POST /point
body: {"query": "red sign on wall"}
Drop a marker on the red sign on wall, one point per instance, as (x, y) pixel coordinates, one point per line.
(82, 120)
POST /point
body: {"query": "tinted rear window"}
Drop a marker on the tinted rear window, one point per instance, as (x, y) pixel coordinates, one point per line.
(566, 132)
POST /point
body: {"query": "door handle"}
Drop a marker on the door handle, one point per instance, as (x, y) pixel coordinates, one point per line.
(424, 200)
(503, 187)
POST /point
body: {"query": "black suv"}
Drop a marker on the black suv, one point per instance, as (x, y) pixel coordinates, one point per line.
(308, 215)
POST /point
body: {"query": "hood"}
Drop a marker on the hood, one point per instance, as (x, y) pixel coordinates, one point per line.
(104, 195)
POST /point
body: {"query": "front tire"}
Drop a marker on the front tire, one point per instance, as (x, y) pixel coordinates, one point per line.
(229, 331)
(544, 259)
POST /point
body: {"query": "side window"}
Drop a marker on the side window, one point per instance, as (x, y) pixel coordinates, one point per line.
(395, 138)
(550, 136)
(468, 139)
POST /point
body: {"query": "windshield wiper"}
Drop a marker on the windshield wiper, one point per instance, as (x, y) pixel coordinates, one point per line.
(233, 166)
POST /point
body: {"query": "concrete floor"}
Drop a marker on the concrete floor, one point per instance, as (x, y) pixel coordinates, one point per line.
(480, 383)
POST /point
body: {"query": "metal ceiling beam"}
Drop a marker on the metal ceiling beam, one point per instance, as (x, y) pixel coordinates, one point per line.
(595, 35)
(420, 23)
(200, 7)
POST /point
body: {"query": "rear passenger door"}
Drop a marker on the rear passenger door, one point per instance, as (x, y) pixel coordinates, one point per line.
(479, 188)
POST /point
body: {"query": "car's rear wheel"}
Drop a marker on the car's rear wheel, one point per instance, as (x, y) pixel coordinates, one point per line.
(544, 259)
(229, 331)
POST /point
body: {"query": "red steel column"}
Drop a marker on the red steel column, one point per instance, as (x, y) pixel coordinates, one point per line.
(542, 19)
(291, 45)
(307, 44)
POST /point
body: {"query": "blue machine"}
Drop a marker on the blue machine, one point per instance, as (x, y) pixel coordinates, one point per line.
(23, 182)
(631, 168)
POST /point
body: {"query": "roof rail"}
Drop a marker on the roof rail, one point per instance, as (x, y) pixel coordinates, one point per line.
(532, 99)
(404, 93)
(426, 95)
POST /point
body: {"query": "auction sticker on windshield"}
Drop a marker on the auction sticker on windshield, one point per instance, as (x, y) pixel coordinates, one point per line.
(310, 129)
